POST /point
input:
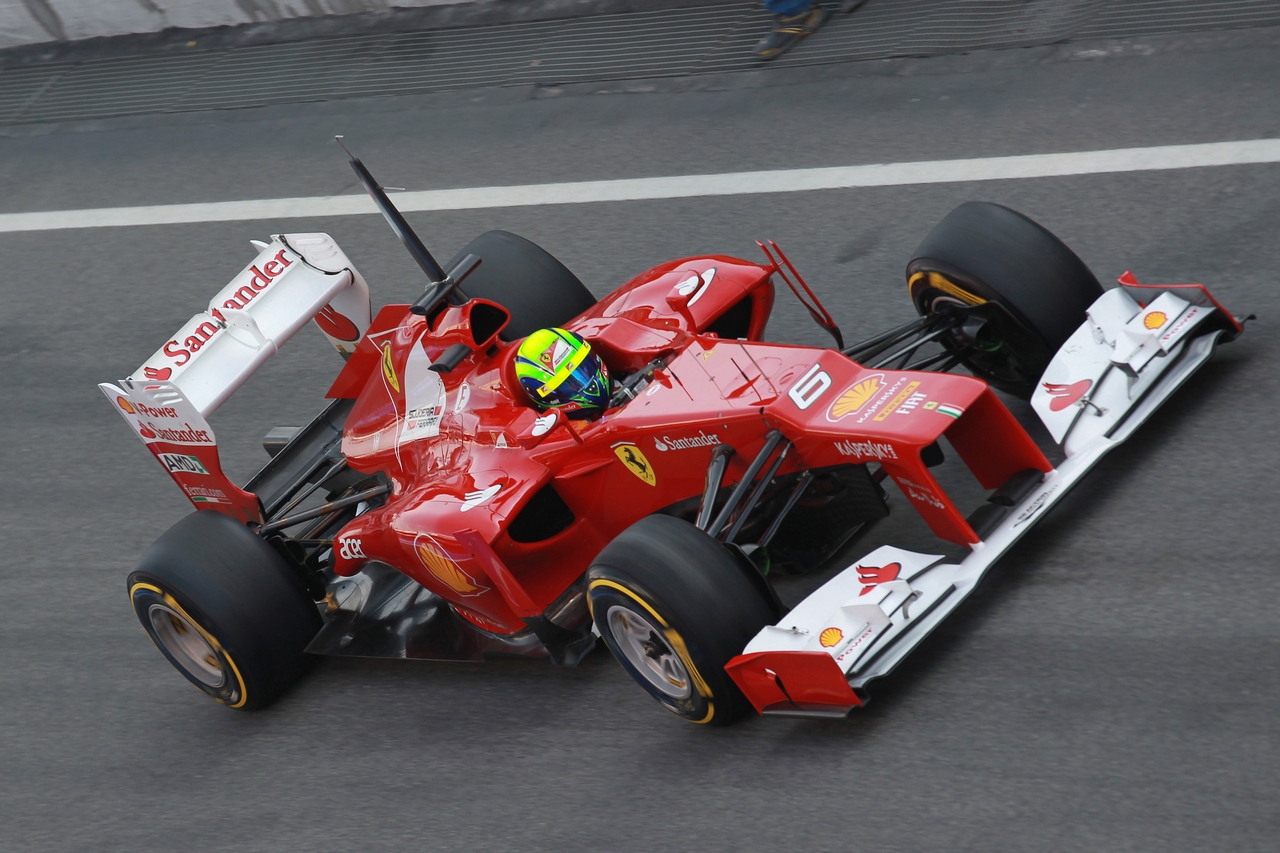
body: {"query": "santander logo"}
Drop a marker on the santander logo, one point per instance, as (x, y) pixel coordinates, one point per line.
(181, 353)
(1065, 395)
(873, 576)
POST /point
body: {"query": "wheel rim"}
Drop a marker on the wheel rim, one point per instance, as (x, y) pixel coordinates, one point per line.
(648, 652)
(184, 642)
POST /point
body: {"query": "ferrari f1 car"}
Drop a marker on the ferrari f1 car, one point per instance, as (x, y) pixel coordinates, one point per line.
(435, 510)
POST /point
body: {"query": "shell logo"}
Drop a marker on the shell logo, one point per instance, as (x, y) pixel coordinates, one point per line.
(1155, 320)
(830, 636)
(126, 405)
(856, 397)
(444, 568)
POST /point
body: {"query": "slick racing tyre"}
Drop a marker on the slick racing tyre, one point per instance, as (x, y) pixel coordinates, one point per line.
(674, 606)
(1024, 291)
(226, 609)
(539, 291)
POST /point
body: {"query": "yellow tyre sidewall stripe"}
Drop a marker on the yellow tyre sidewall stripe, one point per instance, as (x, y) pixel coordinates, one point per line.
(673, 636)
(941, 283)
(212, 640)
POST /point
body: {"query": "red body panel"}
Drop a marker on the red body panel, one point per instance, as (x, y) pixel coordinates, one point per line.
(461, 451)
(792, 681)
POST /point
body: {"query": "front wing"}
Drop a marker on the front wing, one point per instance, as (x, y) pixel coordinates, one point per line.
(1105, 381)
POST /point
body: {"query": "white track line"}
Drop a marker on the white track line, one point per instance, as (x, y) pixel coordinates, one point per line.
(685, 186)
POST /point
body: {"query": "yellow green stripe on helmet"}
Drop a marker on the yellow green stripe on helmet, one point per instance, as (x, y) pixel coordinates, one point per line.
(570, 365)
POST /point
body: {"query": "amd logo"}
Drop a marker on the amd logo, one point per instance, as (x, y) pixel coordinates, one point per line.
(179, 463)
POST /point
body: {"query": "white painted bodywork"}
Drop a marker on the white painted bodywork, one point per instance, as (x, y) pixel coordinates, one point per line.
(231, 343)
(1133, 369)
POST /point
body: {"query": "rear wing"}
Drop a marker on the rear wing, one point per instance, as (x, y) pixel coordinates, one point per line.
(294, 278)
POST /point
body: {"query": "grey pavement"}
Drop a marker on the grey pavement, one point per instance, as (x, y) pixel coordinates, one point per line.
(1113, 685)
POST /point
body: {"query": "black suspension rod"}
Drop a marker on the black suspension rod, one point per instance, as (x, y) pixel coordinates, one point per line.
(750, 505)
(715, 476)
(306, 493)
(298, 482)
(914, 345)
(739, 491)
(323, 509)
(805, 479)
(931, 360)
(883, 337)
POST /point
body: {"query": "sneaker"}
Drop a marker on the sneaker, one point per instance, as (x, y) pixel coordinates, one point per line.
(788, 30)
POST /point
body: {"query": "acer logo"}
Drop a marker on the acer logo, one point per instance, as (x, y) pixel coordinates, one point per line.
(810, 387)
(259, 280)
(351, 548)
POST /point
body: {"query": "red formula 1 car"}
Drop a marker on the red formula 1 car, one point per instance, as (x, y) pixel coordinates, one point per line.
(433, 511)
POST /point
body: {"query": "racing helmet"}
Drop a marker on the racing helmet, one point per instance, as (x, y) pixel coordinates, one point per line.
(557, 369)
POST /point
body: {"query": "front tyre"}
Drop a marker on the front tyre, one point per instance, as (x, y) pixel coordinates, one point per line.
(1024, 290)
(674, 606)
(225, 609)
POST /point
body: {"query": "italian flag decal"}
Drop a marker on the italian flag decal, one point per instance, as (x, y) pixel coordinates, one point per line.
(950, 411)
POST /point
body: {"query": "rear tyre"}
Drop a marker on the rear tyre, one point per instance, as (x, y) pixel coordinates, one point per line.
(674, 606)
(1024, 290)
(539, 291)
(226, 610)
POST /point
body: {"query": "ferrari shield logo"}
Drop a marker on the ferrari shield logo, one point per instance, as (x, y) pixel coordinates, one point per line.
(388, 369)
(631, 456)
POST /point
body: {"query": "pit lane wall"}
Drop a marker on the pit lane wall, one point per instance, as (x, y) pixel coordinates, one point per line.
(24, 22)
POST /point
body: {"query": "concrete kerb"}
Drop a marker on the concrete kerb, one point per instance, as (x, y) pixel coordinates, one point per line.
(450, 14)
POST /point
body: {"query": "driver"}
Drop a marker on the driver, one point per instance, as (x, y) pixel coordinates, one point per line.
(557, 369)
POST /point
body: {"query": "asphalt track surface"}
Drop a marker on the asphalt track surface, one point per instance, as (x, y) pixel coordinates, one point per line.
(1113, 685)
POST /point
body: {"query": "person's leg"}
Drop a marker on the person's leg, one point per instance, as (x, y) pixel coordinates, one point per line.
(792, 21)
(788, 7)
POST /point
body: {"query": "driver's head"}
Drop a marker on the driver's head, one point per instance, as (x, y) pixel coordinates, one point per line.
(557, 369)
